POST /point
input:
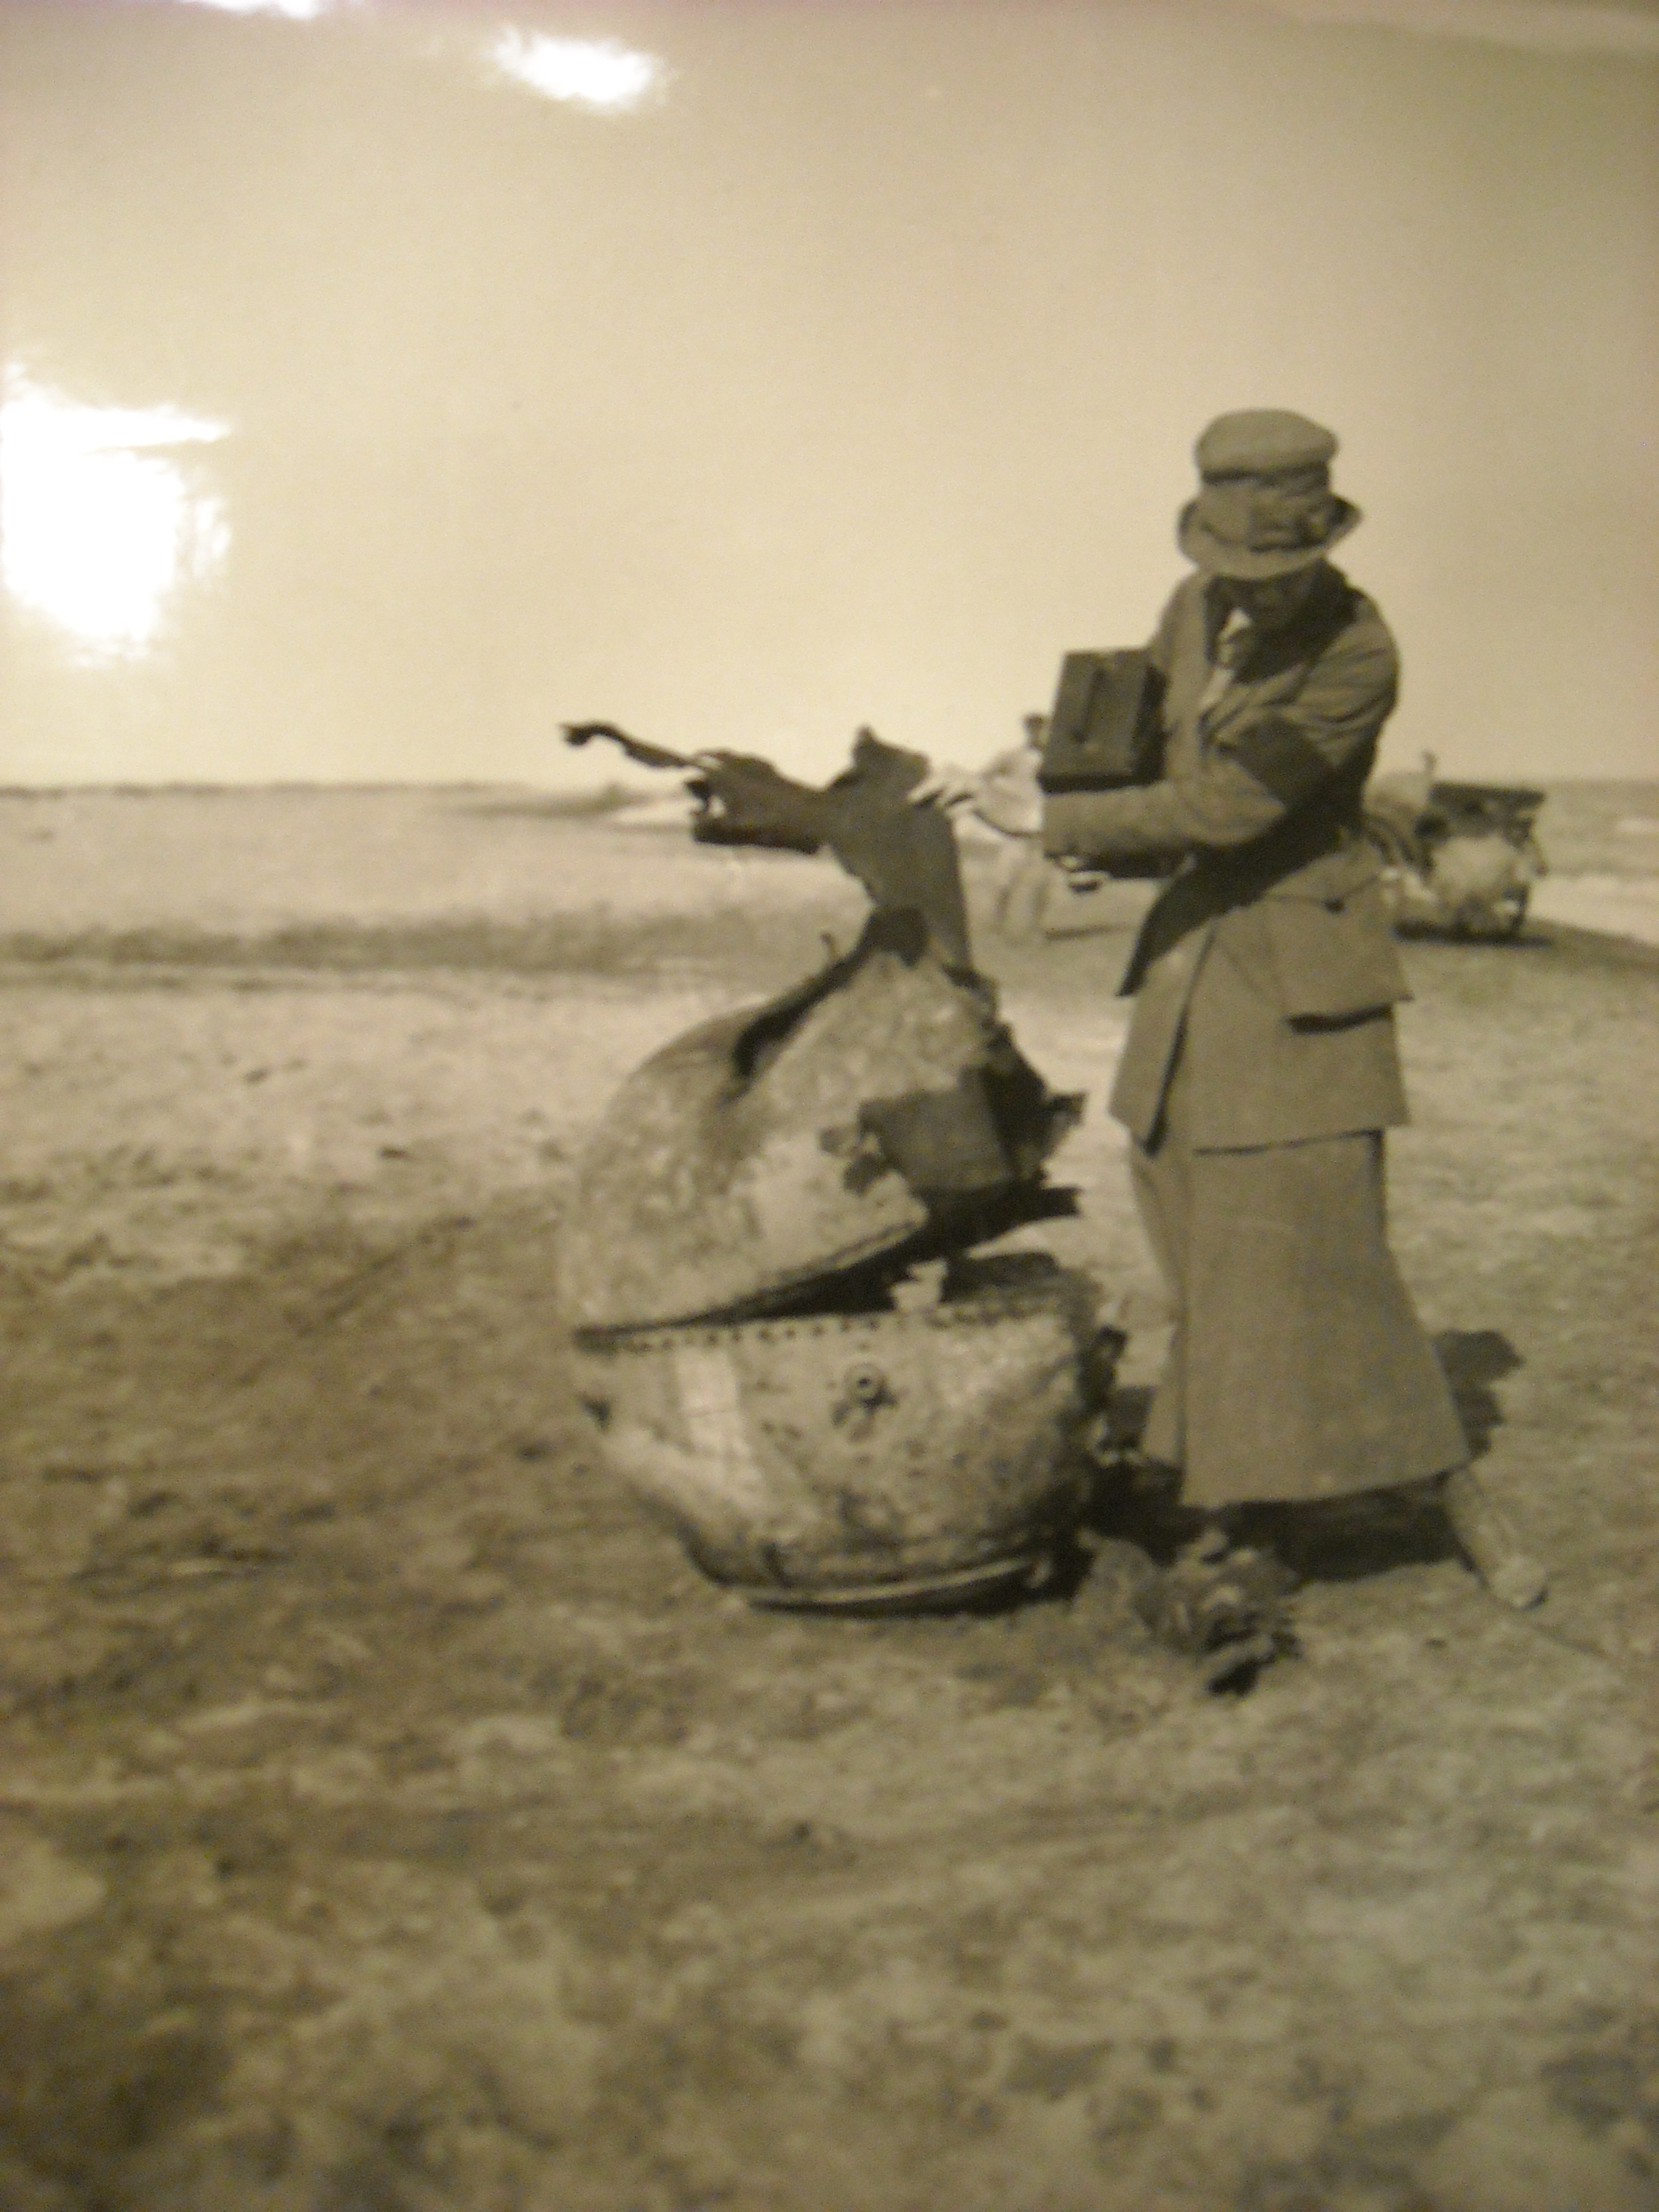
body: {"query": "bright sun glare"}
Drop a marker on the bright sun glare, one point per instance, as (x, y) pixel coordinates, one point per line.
(99, 523)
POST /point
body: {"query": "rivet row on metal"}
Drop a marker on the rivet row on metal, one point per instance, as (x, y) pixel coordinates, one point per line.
(982, 1307)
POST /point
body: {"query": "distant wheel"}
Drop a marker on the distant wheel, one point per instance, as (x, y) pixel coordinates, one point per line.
(1497, 918)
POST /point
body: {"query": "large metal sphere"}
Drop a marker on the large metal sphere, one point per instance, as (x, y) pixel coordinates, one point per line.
(860, 1459)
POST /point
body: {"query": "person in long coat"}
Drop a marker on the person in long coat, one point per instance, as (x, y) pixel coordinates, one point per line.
(1261, 1069)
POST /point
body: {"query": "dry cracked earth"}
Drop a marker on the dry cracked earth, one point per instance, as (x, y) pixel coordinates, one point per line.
(393, 1820)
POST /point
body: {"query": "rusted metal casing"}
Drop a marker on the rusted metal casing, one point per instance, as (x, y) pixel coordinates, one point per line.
(774, 1148)
(848, 1460)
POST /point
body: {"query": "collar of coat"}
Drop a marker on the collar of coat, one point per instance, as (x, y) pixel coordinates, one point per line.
(1326, 611)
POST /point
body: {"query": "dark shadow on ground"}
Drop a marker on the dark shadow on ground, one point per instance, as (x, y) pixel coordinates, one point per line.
(1474, 1359)
(1370, 1532)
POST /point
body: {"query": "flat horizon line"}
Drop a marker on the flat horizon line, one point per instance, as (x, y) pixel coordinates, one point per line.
(612, 787)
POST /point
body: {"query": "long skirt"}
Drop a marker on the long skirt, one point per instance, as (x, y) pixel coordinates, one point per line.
(1299, 1368)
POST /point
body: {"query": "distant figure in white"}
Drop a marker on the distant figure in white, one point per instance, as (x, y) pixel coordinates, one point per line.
(1006, 796)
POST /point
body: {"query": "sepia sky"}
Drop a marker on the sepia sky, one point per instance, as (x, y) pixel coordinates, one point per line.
(386, 383)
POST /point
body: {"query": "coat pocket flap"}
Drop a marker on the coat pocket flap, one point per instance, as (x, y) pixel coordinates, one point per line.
(1334, 958)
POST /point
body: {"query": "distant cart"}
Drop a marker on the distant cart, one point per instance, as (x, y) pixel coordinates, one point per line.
(1458, 857)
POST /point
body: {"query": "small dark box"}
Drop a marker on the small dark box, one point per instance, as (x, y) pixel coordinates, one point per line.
(1104, 730)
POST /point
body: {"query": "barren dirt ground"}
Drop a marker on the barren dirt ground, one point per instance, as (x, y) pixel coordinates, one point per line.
(393, 1820)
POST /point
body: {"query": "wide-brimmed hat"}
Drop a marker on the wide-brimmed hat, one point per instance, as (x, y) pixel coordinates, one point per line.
(1265, 505)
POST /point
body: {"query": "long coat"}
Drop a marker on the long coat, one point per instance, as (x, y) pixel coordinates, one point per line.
(1268, 957)
(1260, 1067)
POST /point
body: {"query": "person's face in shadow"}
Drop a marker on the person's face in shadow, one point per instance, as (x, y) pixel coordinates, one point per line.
(1270, 602)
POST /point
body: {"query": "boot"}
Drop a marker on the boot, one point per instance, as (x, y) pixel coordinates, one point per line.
(1489, 1542)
